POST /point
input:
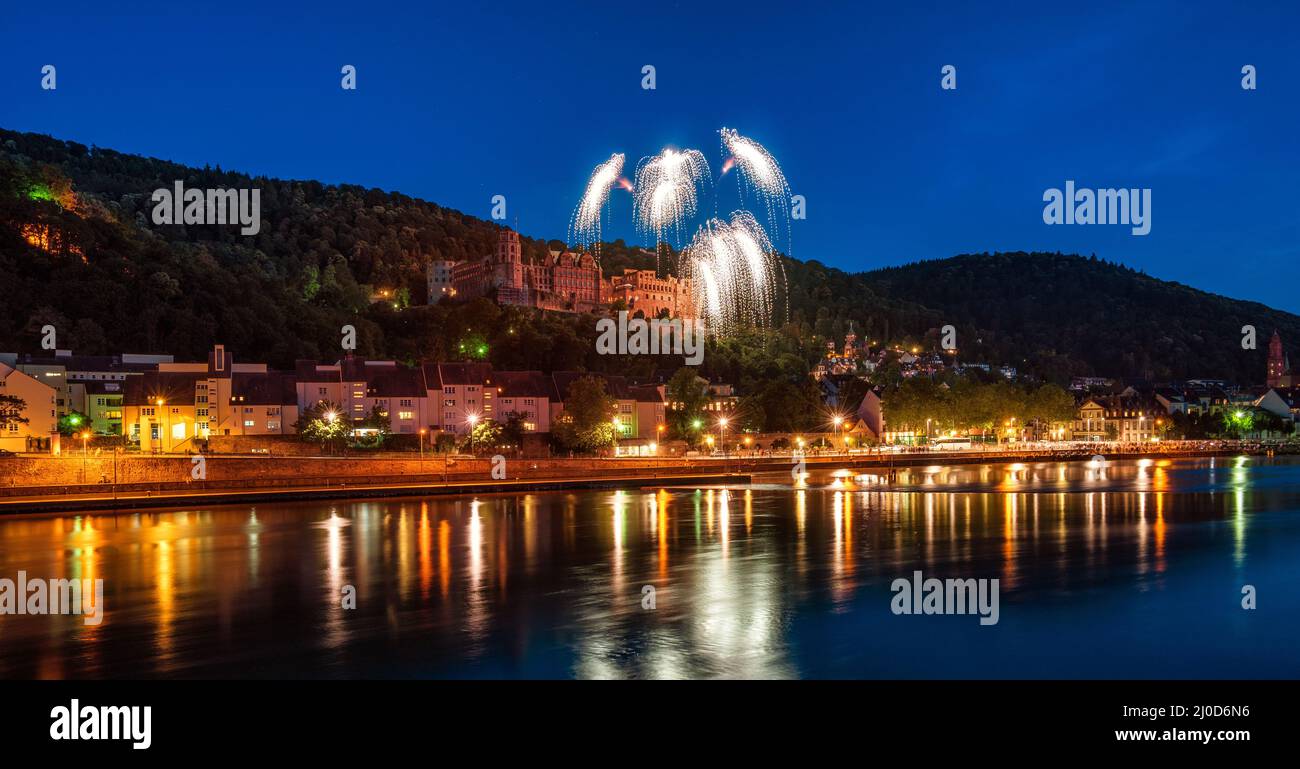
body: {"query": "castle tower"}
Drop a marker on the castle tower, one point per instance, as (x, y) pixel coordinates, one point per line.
(850, 342)
(508, 247)
(1277, 363)
(509, 270)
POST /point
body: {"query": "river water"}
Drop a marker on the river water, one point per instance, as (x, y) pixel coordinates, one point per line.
(1130, 569)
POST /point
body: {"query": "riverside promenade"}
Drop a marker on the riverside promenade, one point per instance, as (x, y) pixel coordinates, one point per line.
(116, 481)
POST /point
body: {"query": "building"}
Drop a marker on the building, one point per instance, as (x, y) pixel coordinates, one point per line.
(70, 374)
(39, 408)
(560, 281)
(358, 387)
(651, 411)
(647, 295)
(1279, 372)
(1281, 401)
(103, 406)
(172, 407)
(626, 415)
(527, 394)
(164, 411)
(1127, 417)
(835, 363)
(439, 275)
(264, 403)
(460, 395)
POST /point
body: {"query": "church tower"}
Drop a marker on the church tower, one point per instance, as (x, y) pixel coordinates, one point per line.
(1277, 362)
(850, 342)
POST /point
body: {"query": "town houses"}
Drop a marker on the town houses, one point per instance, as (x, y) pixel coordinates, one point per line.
(158, 404)
(168, 406)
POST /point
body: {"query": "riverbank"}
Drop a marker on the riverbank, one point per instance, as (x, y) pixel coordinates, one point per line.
(41, 484)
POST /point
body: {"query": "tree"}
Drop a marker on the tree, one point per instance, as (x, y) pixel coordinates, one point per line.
(586, 424)
(688, 398)
(72, 423)
(11, 411)
(324, 423)
(487, 435)
(513, 431)
(376, 427)
(1049, 405)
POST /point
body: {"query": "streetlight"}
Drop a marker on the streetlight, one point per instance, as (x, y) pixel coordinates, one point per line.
(85, 436)
(161, 407)
(473, 420)
(837, 421)
(722, 435)
(422, 444)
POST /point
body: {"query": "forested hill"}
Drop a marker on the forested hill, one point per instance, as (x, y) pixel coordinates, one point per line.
(1080, 315)
(78, 250)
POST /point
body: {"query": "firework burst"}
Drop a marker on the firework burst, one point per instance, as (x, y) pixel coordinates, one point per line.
(736, 276)
(585, 227)
(758, 172)
(666, 192)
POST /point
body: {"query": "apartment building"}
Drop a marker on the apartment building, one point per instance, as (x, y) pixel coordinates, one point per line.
(526, 393)
(39, 409)
(71, 374)
(460, 395)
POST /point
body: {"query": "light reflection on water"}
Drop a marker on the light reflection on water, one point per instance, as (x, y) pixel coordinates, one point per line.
(1106, 570)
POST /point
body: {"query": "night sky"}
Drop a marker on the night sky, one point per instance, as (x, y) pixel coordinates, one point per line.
(459, 102)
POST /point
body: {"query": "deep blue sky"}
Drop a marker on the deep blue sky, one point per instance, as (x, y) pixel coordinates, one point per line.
(459, 102)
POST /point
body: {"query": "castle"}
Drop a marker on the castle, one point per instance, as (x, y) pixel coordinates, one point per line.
(562, 281)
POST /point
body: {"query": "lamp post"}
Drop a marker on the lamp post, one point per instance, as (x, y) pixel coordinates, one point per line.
(722, 435)
(838, 420)
(473, 420)
(163, 438)
(421, 445)
(85, 436)
(331, 416)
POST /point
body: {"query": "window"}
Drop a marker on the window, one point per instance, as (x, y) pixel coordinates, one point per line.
(449, 391)
(406, 415)
(249, 423)
(323, 391)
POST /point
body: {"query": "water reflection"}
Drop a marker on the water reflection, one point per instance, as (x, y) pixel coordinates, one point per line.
(761, 581)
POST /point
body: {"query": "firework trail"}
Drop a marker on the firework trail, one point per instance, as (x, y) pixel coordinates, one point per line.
(666, 192)
(736, 276)
(758, 172)
(585, 226)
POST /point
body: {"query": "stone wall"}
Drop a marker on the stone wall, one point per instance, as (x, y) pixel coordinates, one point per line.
(98, 469)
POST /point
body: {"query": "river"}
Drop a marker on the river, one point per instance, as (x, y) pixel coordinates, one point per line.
(1127, 569)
